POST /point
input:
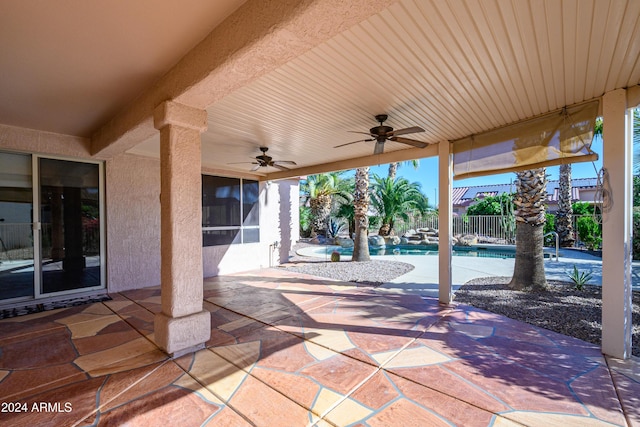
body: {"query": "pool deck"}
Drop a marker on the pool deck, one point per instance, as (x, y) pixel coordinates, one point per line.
(423, 279)
(297, 350)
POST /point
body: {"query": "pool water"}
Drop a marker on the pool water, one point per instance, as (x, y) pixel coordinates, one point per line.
(412, 250)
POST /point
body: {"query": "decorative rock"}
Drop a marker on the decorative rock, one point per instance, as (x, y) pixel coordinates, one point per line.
(345, 242)
(392, 240)
(468, 240)
(409, 233)
(376, 241)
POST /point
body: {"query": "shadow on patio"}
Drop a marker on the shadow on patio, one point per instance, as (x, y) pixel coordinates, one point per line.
(295, 350)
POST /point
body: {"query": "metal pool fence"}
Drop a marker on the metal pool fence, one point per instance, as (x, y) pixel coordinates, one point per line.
(493, 226)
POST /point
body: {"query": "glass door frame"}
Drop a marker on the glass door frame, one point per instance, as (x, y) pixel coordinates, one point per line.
(31, 297)
(37, 229)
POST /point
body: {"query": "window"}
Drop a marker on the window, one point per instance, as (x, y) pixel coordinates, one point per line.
(230, 211)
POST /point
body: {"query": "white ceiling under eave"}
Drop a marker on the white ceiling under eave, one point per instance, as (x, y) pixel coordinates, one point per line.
(453, 67)
(69, 66)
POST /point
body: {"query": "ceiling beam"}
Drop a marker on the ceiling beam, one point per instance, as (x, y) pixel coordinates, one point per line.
(256, 39)
(358, 162)
(38, 141)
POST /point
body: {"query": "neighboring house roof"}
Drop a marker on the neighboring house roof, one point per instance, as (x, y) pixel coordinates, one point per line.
(464, 196)
(576, 185)
(457, 194)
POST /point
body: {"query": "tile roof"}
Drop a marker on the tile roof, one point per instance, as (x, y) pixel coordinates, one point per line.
(463, 196)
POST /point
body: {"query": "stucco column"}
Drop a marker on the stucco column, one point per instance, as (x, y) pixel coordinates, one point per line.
(182, 326)
(445, 227)
(617, 226)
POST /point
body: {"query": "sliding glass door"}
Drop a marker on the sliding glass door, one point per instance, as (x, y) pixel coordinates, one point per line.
(50, 226)
(16, 227)
(69, 225)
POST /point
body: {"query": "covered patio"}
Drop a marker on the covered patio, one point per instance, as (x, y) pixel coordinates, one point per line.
(142, 121)
(295, 350)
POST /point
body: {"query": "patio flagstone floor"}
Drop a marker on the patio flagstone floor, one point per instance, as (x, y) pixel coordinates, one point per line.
(293, 350)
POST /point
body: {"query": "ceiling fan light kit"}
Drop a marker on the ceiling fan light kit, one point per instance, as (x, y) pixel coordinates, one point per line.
(263, 161)
(383, 133)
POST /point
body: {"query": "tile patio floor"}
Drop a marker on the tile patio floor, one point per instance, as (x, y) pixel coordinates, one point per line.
(295, 350)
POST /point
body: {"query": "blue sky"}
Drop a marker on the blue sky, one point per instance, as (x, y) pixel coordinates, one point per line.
(427, 173)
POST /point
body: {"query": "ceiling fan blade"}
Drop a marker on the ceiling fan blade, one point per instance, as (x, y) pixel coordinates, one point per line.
(414, 129)
(363, 133)
(349, 143)
(243, 163)
(256, 167)
(285, 162)
(408, 141)
(379, 148)
(282, 168)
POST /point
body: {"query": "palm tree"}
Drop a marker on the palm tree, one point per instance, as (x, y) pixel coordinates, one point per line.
(305, 221)
(564, 216)
(396, 198)
(320, 191)
(393, 167)
(345, 208)
(361, 213)
(347, 212)
(530, 201)
(393, 170)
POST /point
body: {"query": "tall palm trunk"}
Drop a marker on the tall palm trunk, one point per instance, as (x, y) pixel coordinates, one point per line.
(564, 217)
(320, 209)
(393, 170)
(361, 208)
(386, 227)
(530, 201)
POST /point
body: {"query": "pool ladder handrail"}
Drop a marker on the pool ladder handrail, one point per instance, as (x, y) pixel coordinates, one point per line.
(557, 241)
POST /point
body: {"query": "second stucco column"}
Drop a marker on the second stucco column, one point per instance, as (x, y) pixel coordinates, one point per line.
(182, 326)
(617, 226)
(445, 226)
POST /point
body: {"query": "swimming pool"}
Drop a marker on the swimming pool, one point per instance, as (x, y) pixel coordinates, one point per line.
(470, 251)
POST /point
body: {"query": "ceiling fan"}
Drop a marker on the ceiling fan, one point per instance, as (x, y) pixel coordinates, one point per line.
(263, 161)
(383, 133)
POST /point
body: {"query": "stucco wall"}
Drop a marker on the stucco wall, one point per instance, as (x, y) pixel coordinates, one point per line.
(133, 222)
(133, 227)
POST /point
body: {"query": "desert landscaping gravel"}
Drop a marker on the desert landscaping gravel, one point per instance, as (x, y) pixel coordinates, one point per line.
(370, 273)
(562, 308)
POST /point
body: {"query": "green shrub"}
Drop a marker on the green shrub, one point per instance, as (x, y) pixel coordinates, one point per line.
(305, 221)
(374, 222)
(491, 205)
(579, 278)
(582, 208)
(335, 256)
(636, 233)
(590, 232)
(334, 228)
(549, 225)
